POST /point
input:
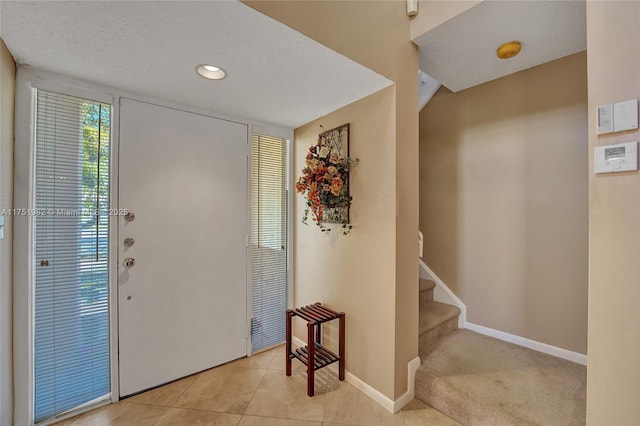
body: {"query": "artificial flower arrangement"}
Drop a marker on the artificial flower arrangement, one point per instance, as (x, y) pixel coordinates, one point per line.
(325, 185)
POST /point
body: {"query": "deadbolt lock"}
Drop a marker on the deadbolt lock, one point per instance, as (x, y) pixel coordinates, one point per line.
(128, 242)
(129, 262)
(129, 217)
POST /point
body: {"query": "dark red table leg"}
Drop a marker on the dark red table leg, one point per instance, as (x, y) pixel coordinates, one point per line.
(288, 342)
(312, 356)
(341, 348)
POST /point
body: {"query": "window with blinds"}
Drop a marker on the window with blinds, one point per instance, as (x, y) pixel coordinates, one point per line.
(71, 311)
(268, 241)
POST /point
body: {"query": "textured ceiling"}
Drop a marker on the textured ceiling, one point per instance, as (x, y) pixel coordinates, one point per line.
(461, 52)
(275, 74)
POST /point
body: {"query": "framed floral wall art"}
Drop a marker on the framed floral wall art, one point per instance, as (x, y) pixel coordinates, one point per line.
(325, 180)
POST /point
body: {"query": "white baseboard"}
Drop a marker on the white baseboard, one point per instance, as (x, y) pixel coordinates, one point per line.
(528, 343)
(442, 293)
(386, 402)
(371, 392)
(407, 397)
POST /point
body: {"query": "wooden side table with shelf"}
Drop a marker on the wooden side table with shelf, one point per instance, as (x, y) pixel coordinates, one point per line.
(315, 315)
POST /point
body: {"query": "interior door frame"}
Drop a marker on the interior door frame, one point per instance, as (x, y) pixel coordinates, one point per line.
(28, 79)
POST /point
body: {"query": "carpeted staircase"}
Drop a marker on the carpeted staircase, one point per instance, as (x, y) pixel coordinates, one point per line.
(478, 380)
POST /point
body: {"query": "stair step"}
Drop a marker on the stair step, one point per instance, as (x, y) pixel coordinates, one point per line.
(426, 285)
(478, 380)
(426, 291)
(433, 314)
(436, 320)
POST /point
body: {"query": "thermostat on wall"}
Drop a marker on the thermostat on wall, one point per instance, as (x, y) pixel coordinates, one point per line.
(616, 158)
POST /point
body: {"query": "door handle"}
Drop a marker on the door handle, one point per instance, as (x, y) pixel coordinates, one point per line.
(128, 242)
(129, 262)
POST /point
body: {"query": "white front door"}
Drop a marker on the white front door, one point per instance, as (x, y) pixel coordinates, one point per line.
(182, 306)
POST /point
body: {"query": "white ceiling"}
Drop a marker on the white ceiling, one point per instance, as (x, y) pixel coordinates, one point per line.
(461, 52)
(274, 74)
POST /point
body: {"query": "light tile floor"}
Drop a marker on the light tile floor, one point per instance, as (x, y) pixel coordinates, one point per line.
(256, 392)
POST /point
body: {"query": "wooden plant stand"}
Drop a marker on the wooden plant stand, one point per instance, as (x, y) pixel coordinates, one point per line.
(315, 315)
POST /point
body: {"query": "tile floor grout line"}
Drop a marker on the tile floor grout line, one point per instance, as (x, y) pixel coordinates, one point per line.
(253, 395)
(199, 410)
(160, 417)
(240, 419)
(205, 411)
(186, 389)
(173, 404)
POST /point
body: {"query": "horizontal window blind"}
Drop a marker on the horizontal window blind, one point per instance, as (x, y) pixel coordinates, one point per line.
(268, 241)
(71, 311)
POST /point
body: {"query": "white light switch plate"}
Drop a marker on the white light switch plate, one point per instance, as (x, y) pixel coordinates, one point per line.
(625, 115)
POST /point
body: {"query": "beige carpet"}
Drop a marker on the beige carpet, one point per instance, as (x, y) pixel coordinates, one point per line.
(478, 380)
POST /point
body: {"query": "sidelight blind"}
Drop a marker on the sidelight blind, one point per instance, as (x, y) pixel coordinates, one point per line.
(268, 241)
(71, 311)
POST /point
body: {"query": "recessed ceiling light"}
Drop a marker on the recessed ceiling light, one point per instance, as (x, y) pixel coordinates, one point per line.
(211, 72)
(509, 49)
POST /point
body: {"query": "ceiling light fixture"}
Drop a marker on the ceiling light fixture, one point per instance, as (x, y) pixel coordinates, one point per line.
(211, 72)
(509, 49)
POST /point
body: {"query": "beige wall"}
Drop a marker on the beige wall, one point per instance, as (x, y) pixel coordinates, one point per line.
(432, 13)
(387, 50)
(7, 92)
(503, 200)
(356, 273)
(613, 376)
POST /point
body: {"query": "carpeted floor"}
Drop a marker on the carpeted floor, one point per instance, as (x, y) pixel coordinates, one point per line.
(478, 380)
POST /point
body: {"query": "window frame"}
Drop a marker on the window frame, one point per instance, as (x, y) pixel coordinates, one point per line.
(288, 136)
(28, 81)
(289, 185)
